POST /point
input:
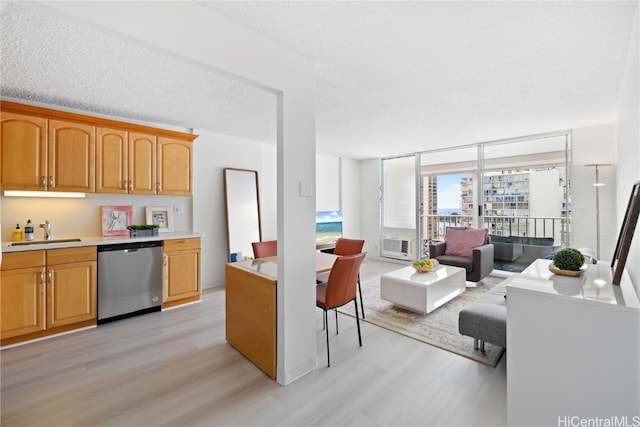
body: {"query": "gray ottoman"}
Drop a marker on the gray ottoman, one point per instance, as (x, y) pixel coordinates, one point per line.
(485, 319)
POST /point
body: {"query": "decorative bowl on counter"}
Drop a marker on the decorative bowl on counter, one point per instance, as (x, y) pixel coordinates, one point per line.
(570, 273)
(425, 265)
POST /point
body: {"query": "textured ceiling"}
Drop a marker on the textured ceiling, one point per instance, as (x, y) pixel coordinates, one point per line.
(47, 59)
(392, 77)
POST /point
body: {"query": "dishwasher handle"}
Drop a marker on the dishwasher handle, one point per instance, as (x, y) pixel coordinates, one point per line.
(130, 246)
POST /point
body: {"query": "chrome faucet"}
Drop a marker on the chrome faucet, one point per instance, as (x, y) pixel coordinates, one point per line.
(47, 230)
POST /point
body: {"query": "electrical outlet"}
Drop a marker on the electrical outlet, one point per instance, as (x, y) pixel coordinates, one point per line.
(179, 209)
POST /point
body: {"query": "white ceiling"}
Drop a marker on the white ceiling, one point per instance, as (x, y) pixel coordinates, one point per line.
(392, 77)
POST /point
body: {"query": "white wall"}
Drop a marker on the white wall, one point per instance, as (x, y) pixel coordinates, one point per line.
(327, 183)
(350, 198)
(81, 217)
(212, 153)
(370, 206)
(269, 192)
(591, 145)
(628, 145)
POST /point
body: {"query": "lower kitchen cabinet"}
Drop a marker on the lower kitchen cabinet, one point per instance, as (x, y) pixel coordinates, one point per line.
(181, 272)
(71, 286)
(46, 292)
(22, 291)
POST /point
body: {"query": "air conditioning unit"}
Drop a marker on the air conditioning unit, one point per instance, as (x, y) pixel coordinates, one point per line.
(395, 247)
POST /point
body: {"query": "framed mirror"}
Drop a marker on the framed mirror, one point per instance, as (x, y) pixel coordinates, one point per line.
(627, 230)
(242, 203)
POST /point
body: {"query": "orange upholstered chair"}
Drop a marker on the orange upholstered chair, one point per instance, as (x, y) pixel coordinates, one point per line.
(339, 290)
(346, 247)
(265, 249)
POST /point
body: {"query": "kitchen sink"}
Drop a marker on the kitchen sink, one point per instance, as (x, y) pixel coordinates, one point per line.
(43, 242)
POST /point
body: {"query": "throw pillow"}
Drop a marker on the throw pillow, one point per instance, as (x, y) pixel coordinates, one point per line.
(462, 240)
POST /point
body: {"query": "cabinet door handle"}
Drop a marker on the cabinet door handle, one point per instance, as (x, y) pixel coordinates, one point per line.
(130, 186)
(43, 182)
(50, 276)
(165, 260)
(42, 277)
(125, 185)
(157, 187)
(51, 182)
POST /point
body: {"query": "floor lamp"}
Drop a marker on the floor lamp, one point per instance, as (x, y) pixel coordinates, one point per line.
(598, 184)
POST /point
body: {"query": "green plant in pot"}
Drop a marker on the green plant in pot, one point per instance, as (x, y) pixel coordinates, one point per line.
(569, 259)
(142, 230)
(142, 227)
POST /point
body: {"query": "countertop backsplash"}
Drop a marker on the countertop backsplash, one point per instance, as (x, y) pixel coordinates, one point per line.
(70, 218)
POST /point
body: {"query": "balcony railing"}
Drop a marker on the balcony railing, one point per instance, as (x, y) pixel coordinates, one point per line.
(434, 226)
(524, 238)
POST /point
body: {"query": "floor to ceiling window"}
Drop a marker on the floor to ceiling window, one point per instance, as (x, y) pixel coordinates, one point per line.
(518, 189)
(525, 199)
(447, 190)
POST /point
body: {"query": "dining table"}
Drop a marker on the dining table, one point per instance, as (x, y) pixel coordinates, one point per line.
(324, 261)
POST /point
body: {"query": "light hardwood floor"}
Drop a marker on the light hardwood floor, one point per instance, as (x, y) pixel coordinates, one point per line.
(175, 368)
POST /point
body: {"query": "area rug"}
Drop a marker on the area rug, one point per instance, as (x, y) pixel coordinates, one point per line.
(438, 328)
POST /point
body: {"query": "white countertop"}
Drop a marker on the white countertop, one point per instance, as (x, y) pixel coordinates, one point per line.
(593, 286)
(94, 241)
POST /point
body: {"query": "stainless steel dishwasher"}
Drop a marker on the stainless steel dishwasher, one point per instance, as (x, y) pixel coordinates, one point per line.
(129, 280)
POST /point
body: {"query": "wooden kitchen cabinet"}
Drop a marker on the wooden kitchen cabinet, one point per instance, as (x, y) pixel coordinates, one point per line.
(23, 151)
(126, 162)
(139, 163)
(181, 271)
(112, 167)
(71, 286)
(251, 315)
(47, 292)
(71, 157)
(22, 294)
(142, 163)
(50, 155)
(174, 173)
(45, 149)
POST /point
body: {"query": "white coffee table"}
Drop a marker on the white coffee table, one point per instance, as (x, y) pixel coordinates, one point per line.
(422, 292)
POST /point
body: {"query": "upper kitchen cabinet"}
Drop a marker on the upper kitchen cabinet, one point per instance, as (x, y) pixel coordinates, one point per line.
(71, 165)
(174, 172)
(42, 154)
(111, 161)
(126, 162)
(44, 149)
(142, 163)
(23, 151)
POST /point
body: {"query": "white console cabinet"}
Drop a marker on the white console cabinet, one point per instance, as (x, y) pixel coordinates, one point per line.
(573, 348)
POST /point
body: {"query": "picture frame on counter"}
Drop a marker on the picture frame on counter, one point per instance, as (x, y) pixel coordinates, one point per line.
(162, 216)
(115, 220)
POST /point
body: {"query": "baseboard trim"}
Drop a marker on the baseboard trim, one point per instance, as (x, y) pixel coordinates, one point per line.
(287, 377)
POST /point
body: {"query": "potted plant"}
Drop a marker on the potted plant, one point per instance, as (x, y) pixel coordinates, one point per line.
(143, 230)
(568, 262)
